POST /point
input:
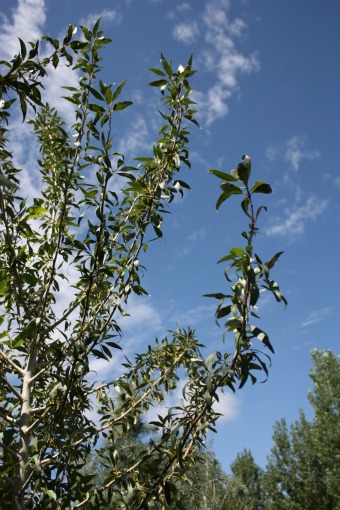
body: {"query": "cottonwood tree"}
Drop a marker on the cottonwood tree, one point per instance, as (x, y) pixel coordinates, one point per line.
(92, 218)
(303, 468)
(247, 472)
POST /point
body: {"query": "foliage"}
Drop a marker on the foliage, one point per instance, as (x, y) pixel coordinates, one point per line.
(205, 486)
(93, 218)
(251, 273)
(247, 472)
(303, 469)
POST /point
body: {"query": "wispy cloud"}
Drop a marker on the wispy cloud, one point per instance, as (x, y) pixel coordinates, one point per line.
(220, 56)
(296, 151)
(316, 316)
(196, 236)
(179, 9)
(195, 315)
(271, 153)
(295, 218)
(107, 16)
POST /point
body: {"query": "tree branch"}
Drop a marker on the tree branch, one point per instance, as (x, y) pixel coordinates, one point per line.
(13, 365)
(7, 418)
(9, 450)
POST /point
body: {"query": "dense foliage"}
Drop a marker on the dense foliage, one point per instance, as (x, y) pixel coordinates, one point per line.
(93, 217)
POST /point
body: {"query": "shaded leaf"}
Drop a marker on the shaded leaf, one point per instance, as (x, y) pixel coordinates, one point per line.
(262, 336)
(261, 187)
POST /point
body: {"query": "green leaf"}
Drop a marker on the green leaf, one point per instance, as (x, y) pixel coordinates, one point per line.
(209, 385)
(55, 60)
(262, 336)
(156, 71)
(245, 206)
(87, 33)
(237, 252)
(51, 494)
(222, 175)
(243, 171)
(209, 361)
(228, 191)
(261, 187)
(23, 107)
(274, 288)
(218, 295)
(95, 93)
(158, 83)
(233, 323)
(118, 90)
(167, 67)
(6, 182)
(273, 260)
(36, 212)
(231, 188)
(262, 207)
(96, 108)
(96, 27)
(22, 48)
(222, 312)
(121, 105)
(167, 493)
(208, 399)
(254, 295)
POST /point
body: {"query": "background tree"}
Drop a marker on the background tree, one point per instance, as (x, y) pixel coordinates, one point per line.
(303, 469)
(94, 217)
(247, 472)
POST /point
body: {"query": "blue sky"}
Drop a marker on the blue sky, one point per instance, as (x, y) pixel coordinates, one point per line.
(267, 85)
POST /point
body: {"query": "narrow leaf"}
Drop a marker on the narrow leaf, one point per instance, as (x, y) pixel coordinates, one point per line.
(262, 336)
(222, 175)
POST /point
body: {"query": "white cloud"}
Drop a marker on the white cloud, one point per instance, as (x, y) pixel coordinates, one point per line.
(220, 56)
(316, 316)
(186, 32)
(228, 406)
(296, 151)
(106, 15)
(237, 27)
(27, 20)
(179, 9)
(294, 220)
(144, 318)
(137, 138)
(212, 104)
